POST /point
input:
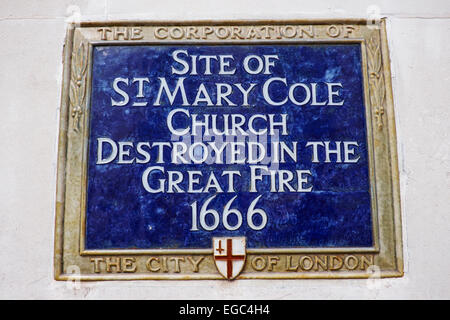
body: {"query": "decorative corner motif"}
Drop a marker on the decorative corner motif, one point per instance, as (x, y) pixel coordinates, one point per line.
(78, 84)
(376, 79)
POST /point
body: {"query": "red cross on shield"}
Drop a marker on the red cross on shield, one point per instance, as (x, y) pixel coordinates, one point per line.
(229, 256)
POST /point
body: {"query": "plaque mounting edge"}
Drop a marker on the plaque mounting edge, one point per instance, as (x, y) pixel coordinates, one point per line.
(69, 254)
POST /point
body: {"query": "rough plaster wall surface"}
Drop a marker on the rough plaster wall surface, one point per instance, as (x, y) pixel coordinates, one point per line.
(32, 37)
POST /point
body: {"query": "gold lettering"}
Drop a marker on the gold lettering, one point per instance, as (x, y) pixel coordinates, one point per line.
(348, 31)
(272, 262)
(151, 267)
(332, 260)
(347, 263)
(136, 33)
(333, 31)
(259, 263)
(366, 262)
(306, 31)
(158, 33)
(104, 32)
(176, 33)
(96, 262)
(164, 265)
(266, 30)
(129, 264)
(236, 33)
(222, 32)
(191, 32)
(120, 32)
(253, 33)
(113, 262)
(207, 31)
(322, 263)
(177, 263)
(195, 264)
(277, 32)
(288, 31)
(302, 263)
(289, 266)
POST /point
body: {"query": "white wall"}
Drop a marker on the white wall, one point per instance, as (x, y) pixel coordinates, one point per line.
(31, 42)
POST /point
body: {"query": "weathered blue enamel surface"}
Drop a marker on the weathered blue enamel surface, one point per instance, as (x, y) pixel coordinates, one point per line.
(120, 214)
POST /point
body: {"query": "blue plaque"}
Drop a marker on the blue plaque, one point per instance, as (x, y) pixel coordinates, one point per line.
(227, 151)
(332, 210)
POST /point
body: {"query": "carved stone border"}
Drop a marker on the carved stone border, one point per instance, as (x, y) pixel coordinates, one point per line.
(376, 78)
(77, 96)
(386, 257)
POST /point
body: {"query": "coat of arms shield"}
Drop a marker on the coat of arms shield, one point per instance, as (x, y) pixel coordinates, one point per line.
(229, 255)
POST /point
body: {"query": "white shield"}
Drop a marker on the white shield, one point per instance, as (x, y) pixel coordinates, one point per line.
(229, 255)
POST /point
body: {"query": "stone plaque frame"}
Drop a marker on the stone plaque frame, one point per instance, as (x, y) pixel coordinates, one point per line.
(384, 259)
